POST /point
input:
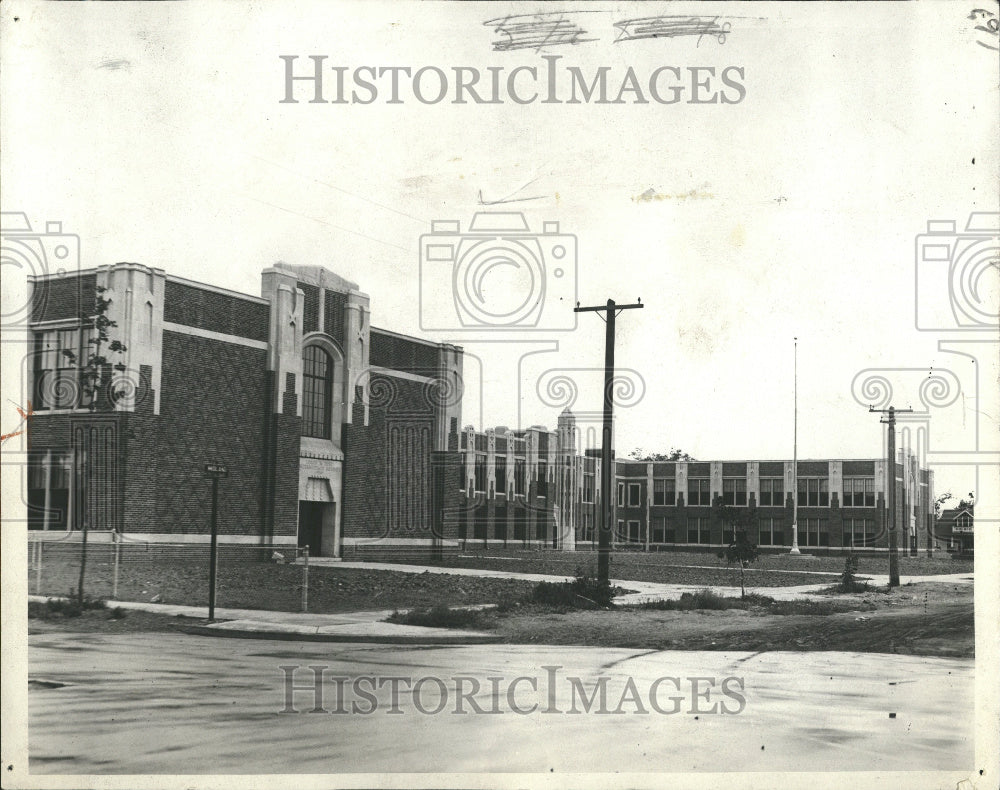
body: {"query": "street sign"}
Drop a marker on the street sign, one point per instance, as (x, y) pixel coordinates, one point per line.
(216, 470)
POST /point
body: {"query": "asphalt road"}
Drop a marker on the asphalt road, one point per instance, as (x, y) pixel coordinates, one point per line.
(166, 703)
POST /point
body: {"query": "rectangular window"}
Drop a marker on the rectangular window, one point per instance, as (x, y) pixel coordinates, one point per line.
(634, 494)
(519, 477)
(542, 488)
(57, 377)
(659, 530)
(664, 491)
(772, 492)
(633, 532)
(480, 472)
(859, 492)
(734, 491)
(697, 530)
(501, 474)
(588, 488)
(621, 495)
(814, 492)
(859, 532)
(699, 491)
(814, 532)
(771, 532)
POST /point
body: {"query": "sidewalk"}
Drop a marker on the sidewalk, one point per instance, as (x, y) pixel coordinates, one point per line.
(644, 591)
(339, 627)
(370, 626)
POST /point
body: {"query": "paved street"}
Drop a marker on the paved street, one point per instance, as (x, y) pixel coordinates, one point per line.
(166, 703)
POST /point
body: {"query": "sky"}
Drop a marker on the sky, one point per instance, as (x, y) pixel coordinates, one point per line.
(156, 133)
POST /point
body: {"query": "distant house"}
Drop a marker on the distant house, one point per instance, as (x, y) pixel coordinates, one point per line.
(955, 529)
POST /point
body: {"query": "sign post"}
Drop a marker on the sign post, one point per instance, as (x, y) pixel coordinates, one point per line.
(214, 471)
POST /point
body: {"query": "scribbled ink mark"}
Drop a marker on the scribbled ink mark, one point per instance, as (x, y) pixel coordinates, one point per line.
(535, 31)
(25, 416)
(115, 65)
(989, 24)
(673, 27)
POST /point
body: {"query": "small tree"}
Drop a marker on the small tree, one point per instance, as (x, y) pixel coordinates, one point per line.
(93, 370)
(741, 549)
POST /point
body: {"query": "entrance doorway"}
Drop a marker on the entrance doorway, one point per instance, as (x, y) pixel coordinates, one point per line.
(312, 518)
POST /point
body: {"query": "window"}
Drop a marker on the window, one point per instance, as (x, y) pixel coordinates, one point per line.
(588, 488)
(501, 474)
(859, 492)
(621, 495)
(771, 532)
(542, 487)
(814, 532)
(317, 389)
(664, 491)
(814, 492)
(634, 494)
(963, 523)
(734, 491)
(859, 532)
(587, 533)
(461, 474)
(659, 529)
(633, 532)
(518, 477)
(480, 472)
(699, 491)
(621, 530)
(697, 530)
(57, 378)
(772, 492)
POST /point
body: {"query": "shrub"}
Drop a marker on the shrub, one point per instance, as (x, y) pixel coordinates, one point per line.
(583, 592)
(52, 608)
(703, 599)
(440, 616)
(848, 578)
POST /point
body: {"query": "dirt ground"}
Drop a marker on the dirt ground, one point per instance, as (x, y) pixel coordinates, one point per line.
(928, 618)
(921, 619)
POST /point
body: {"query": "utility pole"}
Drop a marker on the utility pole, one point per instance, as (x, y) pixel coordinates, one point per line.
(889, 419)
(610, 311)
(795, 454)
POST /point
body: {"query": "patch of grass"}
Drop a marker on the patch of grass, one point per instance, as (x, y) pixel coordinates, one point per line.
(703, 599)
(706, 599)
(440, 616)
(584, 592)
(53, 608)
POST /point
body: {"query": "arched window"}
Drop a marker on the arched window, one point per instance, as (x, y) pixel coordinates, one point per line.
(317, 389)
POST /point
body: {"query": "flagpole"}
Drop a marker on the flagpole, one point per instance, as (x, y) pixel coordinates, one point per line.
(795, 454)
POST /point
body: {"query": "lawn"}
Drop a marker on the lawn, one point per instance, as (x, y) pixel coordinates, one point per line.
(262, 585)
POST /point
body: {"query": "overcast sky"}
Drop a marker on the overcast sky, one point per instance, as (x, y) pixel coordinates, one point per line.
(155, 132)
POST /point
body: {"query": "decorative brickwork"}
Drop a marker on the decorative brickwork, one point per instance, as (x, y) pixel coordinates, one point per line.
(214, 311)
(58, 298)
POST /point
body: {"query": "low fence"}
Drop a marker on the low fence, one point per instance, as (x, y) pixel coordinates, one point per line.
(272, 576)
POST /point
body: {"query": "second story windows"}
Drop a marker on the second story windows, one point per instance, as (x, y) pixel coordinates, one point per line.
(699, 491)
(772, 492)
(734, 491)
(859, 492)
(814, 492)
(664, 491)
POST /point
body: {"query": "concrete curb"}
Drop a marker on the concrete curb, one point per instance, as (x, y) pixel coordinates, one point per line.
(391, 639)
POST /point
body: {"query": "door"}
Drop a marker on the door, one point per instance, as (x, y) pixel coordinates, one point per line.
(311, 526)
